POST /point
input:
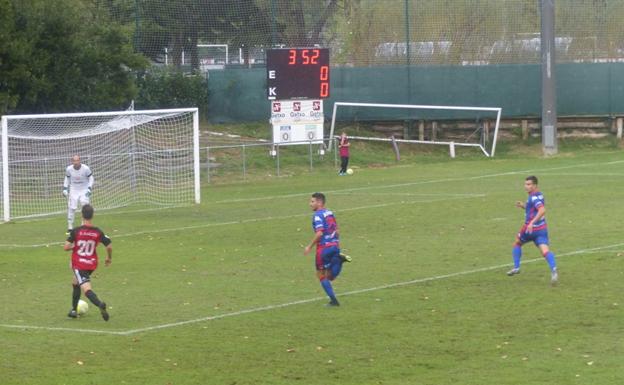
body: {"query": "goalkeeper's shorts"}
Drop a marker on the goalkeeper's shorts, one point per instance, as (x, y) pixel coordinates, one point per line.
(77, 198)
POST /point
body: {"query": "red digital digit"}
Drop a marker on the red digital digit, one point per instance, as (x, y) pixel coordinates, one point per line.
(324, 90)
(292, 56)
(315, 55)
(305, 56)
(324, 73)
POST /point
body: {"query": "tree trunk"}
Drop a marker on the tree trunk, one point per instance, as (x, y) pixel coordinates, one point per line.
(315, 35)
(176, 50)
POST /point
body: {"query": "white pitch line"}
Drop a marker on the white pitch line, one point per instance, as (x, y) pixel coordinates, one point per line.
(417, 183)
(306, 194)
(250, 220)
(303, 301)
(59, 329)
(583, 174)
(103, 212)
(467, 195)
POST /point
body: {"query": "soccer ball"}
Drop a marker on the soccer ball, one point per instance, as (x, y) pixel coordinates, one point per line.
(82, 307)
(350, 171)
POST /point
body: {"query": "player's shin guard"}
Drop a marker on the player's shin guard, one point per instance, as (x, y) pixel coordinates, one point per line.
(327, 286)
(93, 298)
(550, 258)
(75, 296)
(517, 255)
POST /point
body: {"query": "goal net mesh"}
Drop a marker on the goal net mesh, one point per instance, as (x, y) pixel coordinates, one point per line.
(138, 157)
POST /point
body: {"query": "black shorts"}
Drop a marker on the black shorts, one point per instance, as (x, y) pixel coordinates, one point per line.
(83, 276)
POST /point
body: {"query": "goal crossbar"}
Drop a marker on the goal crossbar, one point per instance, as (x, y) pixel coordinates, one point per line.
(497, 110)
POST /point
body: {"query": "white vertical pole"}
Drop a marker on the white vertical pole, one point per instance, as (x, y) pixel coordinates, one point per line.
(498, 117)
(196, 155)
(5, 169)
(452, 149)
(331, 130)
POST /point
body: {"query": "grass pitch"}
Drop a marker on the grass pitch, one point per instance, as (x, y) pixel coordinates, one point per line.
(220, 293)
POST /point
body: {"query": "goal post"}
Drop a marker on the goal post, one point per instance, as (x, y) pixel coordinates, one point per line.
(451, 144)
(148, 157)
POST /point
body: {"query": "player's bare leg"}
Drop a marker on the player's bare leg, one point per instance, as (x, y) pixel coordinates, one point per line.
(86, 289)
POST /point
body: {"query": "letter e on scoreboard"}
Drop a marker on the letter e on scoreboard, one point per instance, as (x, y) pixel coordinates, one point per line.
(272, 74)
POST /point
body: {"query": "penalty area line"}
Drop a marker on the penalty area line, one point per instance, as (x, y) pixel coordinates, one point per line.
(303, 301)
(252, 220)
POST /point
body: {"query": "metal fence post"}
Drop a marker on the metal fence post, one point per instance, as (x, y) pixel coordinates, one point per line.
(45, 173)
(310, 154)
(208, 163)
(244, 163)
(277, 159)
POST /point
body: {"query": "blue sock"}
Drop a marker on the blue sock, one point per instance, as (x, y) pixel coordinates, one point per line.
(517, 254)
(550, 258)
(327, 286)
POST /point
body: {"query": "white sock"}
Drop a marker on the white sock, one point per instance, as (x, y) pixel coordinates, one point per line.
(70, 219)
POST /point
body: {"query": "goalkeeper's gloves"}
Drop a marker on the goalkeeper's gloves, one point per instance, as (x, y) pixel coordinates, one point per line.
(88, 194)
(65, 192)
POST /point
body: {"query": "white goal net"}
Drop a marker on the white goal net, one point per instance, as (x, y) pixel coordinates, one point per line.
(137, 157)
(439, 125)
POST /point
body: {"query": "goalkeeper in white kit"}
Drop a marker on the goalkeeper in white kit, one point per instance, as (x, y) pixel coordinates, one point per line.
(77, 188)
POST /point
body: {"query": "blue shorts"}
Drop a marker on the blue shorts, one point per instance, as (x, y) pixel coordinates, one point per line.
(329, 259)
(539, 237)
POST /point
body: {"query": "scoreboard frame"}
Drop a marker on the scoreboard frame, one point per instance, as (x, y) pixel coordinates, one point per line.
(298, 73)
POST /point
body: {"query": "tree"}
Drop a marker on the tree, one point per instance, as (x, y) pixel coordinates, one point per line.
(301, 23)
(64, 56)
(179, 26)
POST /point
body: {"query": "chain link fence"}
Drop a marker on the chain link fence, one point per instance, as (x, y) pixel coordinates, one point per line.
(255, 161)
(208, 34)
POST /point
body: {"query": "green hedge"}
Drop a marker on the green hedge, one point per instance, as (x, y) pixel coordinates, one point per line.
(172, 89)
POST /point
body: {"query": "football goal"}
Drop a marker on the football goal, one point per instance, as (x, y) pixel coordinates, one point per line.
(137, 157)
(451, 115)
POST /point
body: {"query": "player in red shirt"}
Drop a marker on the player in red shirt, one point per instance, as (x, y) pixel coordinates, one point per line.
(344, 153)
(83, 242)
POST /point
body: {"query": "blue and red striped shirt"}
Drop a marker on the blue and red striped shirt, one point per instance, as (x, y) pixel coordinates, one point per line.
(324, 220)
(534, 202)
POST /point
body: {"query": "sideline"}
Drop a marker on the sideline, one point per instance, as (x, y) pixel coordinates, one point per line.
(299, 302)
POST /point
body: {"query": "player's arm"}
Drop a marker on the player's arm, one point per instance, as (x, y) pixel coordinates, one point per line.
(541, 211)
(66, 185)
(109, 255)
(314, 241)
(520, 204)
(69, 243)
(106, 241)
(90, 185)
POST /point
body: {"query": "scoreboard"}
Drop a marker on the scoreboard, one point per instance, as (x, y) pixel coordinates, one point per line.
(297, 73)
